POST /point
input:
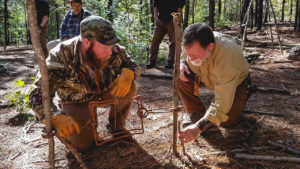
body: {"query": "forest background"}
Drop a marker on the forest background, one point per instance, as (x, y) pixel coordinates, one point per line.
(133, 19)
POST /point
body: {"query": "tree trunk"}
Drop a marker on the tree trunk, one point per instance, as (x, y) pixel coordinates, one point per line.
(57, 21)
(109, 11)
(244, 11)
(297, 17)
(211, 13)
(256, 13)
(282, 11)
(220, 7)
(259, 14)
(266, 11)
(251, 17)
(6, 38)
(224, 7)
(291, 10)
(32, 19)
(193, 11)
(186, 14)
(152, 14)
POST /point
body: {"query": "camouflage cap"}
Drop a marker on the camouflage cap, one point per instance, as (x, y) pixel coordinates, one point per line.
(96, 27)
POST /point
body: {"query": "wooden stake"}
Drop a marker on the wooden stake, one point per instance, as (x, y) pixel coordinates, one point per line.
(245, 28)
(31, 10)
(278, 36)
(177, 26)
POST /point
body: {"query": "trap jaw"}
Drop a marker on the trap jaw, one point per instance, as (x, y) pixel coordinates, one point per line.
(117, 135)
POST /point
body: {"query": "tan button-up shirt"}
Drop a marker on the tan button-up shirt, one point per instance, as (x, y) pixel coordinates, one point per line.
(225, 69)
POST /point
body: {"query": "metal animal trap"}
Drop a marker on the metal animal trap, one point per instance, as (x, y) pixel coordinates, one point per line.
(100, 111)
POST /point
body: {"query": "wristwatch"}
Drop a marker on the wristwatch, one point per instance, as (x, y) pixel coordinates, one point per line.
(203, 124)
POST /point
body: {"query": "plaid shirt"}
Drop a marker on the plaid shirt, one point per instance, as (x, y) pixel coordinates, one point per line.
(70, 26)
(74, 80)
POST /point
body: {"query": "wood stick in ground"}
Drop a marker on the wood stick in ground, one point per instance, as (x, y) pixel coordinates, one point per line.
(278, 36)
(266, 157)
(245, 28)
(32, 20)
(177, 27)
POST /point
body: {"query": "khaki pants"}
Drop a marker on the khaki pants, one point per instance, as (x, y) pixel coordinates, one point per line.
(43, 41)
(193, 103)
(160, 31)
(80, 112)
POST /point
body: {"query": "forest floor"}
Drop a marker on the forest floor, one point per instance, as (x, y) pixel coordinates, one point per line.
(269, 118)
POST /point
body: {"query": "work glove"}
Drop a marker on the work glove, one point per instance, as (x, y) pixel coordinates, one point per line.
(123, 83)
(65, 125)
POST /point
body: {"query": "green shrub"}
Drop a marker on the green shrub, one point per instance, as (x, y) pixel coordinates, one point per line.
(19, 98)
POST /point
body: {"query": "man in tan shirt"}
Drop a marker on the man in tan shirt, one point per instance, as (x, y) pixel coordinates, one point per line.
(218, 63)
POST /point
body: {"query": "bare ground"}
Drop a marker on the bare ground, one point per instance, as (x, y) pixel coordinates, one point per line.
(270, 117)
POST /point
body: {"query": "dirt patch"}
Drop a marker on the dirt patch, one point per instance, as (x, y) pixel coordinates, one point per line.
(269, 117)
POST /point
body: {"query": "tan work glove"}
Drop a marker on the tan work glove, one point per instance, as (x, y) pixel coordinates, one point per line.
(123, 83)
(65, 125)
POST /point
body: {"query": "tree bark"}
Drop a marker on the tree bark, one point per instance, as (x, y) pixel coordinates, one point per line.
(291, 10)
(260, 14)
(244, 17)
(245, 27)
(297, 17)
(6, 38)
(57, 21)
(282, 11)
(211, 13)
(266, 11)
(109, 11)
(193, 11)
(177, 26)
(32, 19)
(278, 36)
(186, 14)
(220, 7)
(152, 14)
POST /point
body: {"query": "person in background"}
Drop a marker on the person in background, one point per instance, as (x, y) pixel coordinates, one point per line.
(42, 11)
(70, 26)
(164, 25)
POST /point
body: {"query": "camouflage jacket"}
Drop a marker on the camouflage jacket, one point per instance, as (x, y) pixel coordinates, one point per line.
(73, 80)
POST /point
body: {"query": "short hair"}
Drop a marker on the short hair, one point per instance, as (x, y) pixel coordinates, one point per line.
(200, 32)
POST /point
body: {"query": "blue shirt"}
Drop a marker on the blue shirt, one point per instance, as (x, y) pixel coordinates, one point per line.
(70, 26)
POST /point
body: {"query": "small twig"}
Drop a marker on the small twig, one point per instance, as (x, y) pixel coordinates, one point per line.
(266, 157)
(25, 131)
(261, 119)
(270, 90)
(262, 113)
(14, 157)
(284, 147)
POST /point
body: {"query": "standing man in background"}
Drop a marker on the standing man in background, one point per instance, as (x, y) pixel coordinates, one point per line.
(164, 25)
(42, 11)
(70, 26)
